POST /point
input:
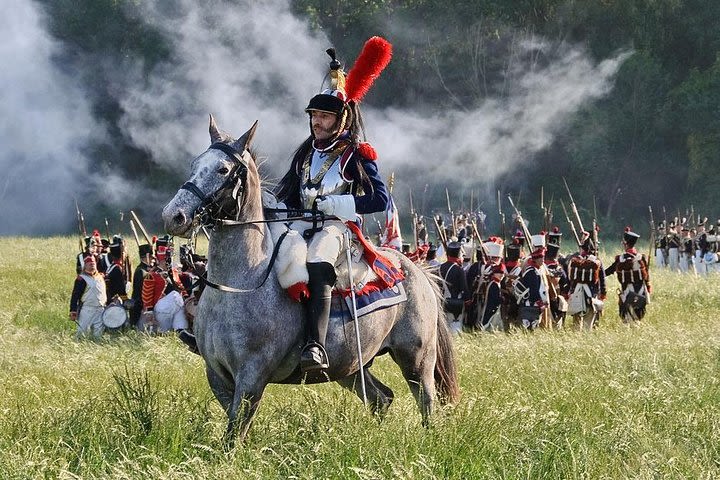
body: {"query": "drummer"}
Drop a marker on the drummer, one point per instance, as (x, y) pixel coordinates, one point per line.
(115, 277)
(88, 299)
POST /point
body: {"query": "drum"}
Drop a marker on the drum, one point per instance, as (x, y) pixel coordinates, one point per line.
(114, 316)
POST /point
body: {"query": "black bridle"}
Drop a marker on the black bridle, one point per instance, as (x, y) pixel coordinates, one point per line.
(210, 207)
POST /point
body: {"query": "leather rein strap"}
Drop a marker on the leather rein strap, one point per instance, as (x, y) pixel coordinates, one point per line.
(273, 257)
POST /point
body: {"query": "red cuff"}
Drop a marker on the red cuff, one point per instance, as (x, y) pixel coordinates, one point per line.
(299, 292)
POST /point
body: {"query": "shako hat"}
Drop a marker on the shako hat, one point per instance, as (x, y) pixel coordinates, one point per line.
(453, 249)
(554, 236)
(552, 251)
(145, 249)
(630, 237)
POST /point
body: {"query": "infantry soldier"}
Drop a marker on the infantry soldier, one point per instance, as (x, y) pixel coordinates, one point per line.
(686, 250)
(491, 295)
(530, 291)
(673, 247)
(587, 285)
(701, 248)
(456, 291)
(431, 257)
(88, 299)
(335, 173)
(559, 285)
(146, 263)
(631, 268)
(114, 276)
(660, 246)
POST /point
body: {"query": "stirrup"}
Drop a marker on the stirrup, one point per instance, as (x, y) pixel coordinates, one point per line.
(313, 357)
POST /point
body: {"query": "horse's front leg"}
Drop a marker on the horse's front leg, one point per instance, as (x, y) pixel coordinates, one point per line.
(248, 393)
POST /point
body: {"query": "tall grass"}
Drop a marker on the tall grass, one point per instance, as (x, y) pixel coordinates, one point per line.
(616, 403)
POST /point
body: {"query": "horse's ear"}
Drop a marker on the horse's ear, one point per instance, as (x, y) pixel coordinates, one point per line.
(215, 135)
(244, 142)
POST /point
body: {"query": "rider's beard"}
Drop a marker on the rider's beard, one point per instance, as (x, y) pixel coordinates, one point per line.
(323, 134)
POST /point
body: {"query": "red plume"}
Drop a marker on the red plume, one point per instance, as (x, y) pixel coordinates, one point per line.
(373, 59)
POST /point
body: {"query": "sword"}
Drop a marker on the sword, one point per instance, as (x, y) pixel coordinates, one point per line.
(355, 318)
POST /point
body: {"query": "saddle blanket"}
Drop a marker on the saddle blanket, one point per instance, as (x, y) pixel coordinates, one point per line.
(367, 302)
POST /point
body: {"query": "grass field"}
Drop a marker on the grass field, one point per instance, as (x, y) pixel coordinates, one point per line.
(616, 403)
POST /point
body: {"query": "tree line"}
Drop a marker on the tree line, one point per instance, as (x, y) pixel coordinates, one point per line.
(654, 139)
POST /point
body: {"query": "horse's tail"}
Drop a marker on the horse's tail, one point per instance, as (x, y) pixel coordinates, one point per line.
(446, 376)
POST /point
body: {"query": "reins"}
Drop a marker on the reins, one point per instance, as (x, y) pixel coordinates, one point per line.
(237, 175)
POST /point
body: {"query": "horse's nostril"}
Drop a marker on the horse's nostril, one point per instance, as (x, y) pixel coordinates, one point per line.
(179, 218)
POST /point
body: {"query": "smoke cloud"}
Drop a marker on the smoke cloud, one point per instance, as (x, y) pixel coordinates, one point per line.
(243, 63)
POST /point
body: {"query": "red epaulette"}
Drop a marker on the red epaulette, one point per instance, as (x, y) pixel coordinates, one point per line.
(367, 151)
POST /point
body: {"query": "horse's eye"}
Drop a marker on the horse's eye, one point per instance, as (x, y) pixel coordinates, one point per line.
(223, 170)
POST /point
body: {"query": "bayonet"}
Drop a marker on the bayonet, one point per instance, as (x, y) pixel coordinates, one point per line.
(450, 211)
(570, 222)
(573, 206)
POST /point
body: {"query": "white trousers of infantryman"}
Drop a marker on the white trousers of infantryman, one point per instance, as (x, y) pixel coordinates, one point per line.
(659, 257)
(455, 324)
(170, 312)
(90, 321)
(674, 259)
(684, 263)
(700, 267)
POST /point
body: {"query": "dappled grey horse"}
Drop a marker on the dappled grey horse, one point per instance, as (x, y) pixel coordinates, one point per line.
(252, 335)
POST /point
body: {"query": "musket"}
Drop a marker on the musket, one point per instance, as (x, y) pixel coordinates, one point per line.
(450, 211)
(521, 220)
(142, 229)
(134, 232)
(107, 228)
(692, 216)
(652, 237)
(595, 238)
(81, 227)
(440, 232)
(502, 218)
(570, 222)
(484, 254)
(574, 207)
(413, 215)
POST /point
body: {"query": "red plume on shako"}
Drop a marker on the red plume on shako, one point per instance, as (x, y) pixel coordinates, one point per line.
(345, 93)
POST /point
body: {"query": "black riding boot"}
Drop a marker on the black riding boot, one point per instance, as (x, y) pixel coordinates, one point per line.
(321, 281)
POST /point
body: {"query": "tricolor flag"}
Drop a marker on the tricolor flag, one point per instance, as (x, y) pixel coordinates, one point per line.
(391, 237)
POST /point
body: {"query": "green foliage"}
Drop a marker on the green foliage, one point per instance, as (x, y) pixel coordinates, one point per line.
(617, 403)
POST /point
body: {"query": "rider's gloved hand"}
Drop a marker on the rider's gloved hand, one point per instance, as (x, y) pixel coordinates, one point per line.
(341, 206)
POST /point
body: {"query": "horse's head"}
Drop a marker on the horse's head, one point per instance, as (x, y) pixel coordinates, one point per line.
(224, 183)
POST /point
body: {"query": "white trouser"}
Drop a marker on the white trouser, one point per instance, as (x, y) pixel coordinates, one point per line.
(90, 318)
(700, 266)
(674, 259)
(170, 312)
(659, 257)
(325, 245)
(455, 324)
(684, 265)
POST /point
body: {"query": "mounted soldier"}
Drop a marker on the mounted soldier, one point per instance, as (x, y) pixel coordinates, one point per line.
(631, 269)
(333, 172)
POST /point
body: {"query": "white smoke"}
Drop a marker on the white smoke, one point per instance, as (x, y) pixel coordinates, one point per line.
(44, 123)
(242, 63)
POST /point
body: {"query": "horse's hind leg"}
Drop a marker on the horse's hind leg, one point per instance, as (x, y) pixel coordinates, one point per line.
(379, 395)
(418, 368)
